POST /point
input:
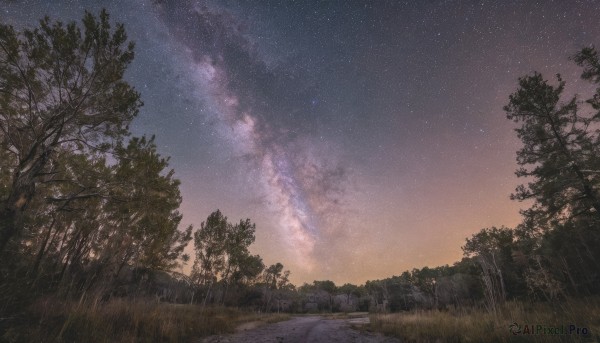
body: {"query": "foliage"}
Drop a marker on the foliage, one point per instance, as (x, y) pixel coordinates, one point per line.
(561, 157)
(561, 146)
(62, 89)
(78, 200)
(222, 255)
(549, 255)
(147, 204)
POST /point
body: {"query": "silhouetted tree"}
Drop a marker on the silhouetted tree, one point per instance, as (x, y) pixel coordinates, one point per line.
(491, 248)
(274, 279)
(61, 88)
(210, 242)
(143, 205)
(238, 238)
(561, 157)
(560, 153)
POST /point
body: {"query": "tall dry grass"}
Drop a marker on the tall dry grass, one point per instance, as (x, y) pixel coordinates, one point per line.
(120, 320)
(478, 325)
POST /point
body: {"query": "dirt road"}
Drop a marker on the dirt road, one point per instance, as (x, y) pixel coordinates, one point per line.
(312, 329)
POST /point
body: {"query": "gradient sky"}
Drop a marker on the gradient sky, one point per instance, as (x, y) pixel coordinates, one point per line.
(362, 138)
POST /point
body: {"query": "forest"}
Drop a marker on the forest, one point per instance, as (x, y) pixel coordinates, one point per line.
(90, 221)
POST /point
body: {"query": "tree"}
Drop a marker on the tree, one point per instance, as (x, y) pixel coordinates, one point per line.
(249, 269)
(57, 206)
(132, 221)
(349, 289)
(238, 238)
(379, 293)
(223, 256)
(561, 157)
(561, 149)
(492, 250)
(143, 205)
(274, 279)
(60, 89)
(209, 243)
(329, 288)
(589, 60)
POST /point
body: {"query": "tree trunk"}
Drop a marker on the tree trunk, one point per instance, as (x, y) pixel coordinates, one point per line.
(41, 252)
(207, 293)
(7, 226)
(21, 193)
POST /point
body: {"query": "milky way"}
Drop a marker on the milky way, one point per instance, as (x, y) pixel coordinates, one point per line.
(229, 71)
(363, 138)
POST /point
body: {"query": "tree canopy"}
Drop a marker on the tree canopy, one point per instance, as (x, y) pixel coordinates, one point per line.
(80, 200)
(61, 89)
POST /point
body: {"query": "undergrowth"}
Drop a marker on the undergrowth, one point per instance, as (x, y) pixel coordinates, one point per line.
(122, 320)
(551, 323)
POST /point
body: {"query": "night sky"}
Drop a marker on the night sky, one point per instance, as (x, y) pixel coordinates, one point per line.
(362, 138)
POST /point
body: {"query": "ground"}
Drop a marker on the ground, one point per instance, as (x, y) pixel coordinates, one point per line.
(314, 329)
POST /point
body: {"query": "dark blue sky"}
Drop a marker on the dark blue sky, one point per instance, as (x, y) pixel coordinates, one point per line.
(363, 138)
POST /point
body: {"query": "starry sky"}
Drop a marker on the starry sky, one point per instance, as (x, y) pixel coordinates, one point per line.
(363, 138)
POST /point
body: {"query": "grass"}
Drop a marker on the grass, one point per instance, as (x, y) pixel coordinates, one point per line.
(478, 325)
(119, 320)
(343, 315)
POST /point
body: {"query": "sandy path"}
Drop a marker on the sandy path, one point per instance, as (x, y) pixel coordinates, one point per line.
(312, 329)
